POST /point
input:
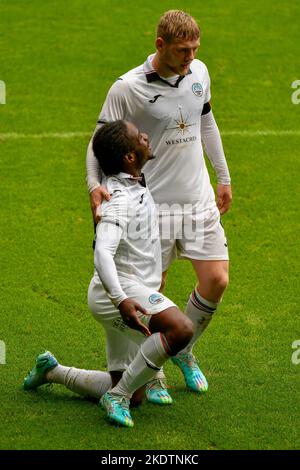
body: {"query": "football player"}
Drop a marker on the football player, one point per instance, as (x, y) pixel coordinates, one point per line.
(123, 293)
(168, 97)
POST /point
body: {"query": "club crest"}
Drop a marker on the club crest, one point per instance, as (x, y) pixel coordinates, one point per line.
(197, 89)
(156, 299)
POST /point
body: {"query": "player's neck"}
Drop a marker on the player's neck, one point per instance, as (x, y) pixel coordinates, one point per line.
(132, 171)
(161, 68)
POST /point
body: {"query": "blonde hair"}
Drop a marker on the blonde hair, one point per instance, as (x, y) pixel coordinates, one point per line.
(176, 24)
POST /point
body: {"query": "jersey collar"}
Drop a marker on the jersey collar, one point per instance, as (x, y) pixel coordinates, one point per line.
(152, 75)
(138, 179)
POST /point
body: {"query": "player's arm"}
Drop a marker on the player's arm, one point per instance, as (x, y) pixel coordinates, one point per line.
(214, 149)
(114, 108)
(109, 234)
(97, 191)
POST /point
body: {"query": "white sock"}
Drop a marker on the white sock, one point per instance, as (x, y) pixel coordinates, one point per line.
(91, 383)
(200, 312)
(159, 375)
(148, 361)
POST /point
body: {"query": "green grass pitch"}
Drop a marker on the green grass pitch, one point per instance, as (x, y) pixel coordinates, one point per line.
(58, 59)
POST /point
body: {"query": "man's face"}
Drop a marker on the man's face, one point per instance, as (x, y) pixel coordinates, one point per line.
(141, 145)
(178, 54)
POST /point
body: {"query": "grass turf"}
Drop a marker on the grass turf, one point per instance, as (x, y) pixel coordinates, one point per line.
(58, 60)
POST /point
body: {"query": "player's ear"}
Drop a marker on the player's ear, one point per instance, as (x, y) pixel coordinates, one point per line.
(159, 43)
(130, 158)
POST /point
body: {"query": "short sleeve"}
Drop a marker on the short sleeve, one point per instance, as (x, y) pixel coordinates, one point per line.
(115, 105)
(207, 96)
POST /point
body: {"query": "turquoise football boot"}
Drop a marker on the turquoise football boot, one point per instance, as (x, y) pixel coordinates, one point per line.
(37, 376)
(117, 409)
(194, 378)
(157, 393)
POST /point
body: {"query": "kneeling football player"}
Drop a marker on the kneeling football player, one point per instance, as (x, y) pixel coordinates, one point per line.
(143, 327)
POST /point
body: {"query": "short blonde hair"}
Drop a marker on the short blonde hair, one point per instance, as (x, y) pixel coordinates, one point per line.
(176, 24)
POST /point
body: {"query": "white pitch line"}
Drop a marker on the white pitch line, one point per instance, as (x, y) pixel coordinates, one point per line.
(258, 133)
(72, 135)
(45, 135)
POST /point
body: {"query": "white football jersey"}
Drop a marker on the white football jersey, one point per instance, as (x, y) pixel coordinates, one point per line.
(138, 254)
(170, 113)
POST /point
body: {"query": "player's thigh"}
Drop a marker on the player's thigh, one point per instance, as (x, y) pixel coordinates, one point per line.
(108, 315)
(98, 301)
(169, 228)
(168, 253)
(153, 301)
(203, 237)
(163, 281)
(120, 350)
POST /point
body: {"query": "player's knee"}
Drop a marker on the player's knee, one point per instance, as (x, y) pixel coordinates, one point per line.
(220, 280)
(223, 281)
(180, 334)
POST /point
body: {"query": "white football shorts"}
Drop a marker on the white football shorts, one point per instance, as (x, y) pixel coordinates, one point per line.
(193, 234)
(122, 342)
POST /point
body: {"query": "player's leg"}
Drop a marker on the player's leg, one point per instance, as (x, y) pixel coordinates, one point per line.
(120, 346)
(208, 253)
(211, 265)
(157, 389)
(89, 383)
(200, 308)
(170, 226)
(137, 397)
(163, 281)
(171, 331)
(116, 401)
(120, 350)
(213, 279)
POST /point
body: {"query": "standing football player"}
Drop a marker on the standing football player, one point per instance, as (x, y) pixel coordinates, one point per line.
(168, 97)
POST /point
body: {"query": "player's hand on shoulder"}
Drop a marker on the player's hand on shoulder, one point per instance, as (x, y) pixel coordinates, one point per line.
(96, 198)
(224, 197)
(128, 309)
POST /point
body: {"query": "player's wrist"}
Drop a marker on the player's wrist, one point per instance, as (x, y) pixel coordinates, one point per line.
(225, 182)
(92, 187)
(117, 302)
